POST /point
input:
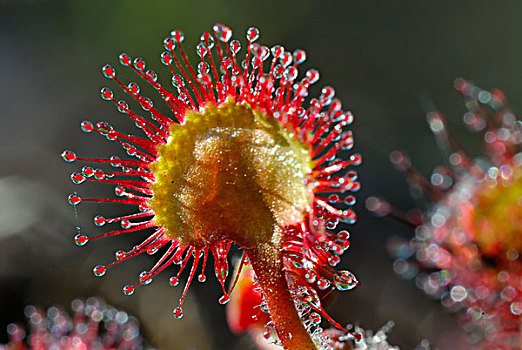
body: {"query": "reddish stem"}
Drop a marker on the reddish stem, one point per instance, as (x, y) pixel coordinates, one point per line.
(266, 260)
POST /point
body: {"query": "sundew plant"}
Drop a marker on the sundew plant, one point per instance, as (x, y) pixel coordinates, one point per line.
(243, 158)
(468, 242)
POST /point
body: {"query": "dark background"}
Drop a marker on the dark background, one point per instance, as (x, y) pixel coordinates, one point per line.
(387, 61)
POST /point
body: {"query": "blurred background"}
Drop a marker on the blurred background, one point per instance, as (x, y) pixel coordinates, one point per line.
(389, 62)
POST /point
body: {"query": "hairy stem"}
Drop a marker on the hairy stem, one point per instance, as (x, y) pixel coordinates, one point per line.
(267, 263)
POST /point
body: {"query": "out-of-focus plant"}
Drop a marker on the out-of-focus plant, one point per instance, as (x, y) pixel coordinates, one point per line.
(93, 325)
(467, 245)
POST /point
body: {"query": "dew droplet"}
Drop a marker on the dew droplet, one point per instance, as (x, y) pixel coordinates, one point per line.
(69, 156)
(125, 224)
(125, 59)
(350, 200)
(99, 270)
(356, 186)
(222, 32)
(345, 280)
(169, 44)
(87, 126)
(77, 178)
(87, 171)
(332, 224)
(264, 307)
(128, 290)
(252, 34)
(108, 71)
(106, 94)
(266, 334)
(337, 249)
(104, 127)
(115, 161)
(74, 199)
(290, 73)
(310, 277)
(235, 46)
(152, 251)
(99, 174)
(120, 254)
(173, 281)
(334, 260)
(178, 312)
(147, 104)
(134, 88)
(327, 93)
(152, 74)
(356, 159)
(277, 51)
(299, 56)
(178, 35)
(144, 277)
(139, 64)
(343, 235)
(176, 260)
(202, 278)
(201, 50)
(204, 78)
(207, 40)
(203, 68)
(323, 283)
(224, 299)
(166, 58)
(286, 59)
(312, 76)
(99, 220)
(119, 191)
(263, 53)
(80, 240)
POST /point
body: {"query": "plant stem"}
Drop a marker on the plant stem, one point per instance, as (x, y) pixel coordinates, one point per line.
(267, 262)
